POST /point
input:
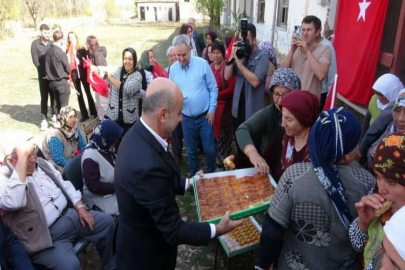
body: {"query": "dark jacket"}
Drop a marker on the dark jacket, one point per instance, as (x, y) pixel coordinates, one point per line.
(146, 185)
(199, 42)
(56, 64)
(98, 58)
(38, 51)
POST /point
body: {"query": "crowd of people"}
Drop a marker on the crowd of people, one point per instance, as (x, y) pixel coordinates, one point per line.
(334, 175)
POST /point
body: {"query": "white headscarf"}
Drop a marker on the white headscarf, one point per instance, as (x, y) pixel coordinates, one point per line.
(388, 85)
(395, 232)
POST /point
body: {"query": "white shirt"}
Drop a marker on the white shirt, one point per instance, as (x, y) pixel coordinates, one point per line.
(164, 145)
(13, 193)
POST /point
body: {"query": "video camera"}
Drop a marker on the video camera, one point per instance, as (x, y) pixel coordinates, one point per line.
(244, 48)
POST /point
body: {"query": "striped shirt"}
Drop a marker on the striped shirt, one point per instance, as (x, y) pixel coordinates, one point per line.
(13, 193)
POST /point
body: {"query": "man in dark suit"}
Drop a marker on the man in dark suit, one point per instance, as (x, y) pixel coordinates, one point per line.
(147, 181)
(198, 38)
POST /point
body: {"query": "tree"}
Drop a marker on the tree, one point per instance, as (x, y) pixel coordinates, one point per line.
(36, 9)
(211, 8)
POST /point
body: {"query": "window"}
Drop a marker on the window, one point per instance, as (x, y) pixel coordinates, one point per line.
(260, 15)
(282, 13)
(187, 1)
(147, 8)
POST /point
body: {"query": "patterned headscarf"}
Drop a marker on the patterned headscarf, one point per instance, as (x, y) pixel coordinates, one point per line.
(105, 133)
(335, 134)
(145, 60)
(389, 158)
(268, 49)
(69, 132)
(400, 99)
(285, 77)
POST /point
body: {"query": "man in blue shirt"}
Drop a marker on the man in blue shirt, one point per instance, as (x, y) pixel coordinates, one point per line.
(197, 82)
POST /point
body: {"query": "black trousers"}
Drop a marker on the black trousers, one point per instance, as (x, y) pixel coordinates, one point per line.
(177, 140)
(61, 92)
(45, 91)
(82, 105)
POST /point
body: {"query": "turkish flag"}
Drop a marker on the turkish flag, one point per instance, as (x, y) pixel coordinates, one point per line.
(358, 34)
(97, 83)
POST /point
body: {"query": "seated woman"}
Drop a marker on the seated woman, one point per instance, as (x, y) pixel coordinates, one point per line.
(225, 94)
(125, 90)
(211, 37)
(314, 202)
(63, 143)
(386, 89)
(98, 162)
(397, 124)
(366, 232)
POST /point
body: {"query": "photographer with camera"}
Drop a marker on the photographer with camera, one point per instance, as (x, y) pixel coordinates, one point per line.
(250, 65)
(311, 62)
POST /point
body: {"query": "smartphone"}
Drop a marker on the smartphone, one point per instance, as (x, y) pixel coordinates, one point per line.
(298, 31)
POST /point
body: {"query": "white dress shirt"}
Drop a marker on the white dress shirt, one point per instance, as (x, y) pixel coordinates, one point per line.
(165, 145)
(13, 193)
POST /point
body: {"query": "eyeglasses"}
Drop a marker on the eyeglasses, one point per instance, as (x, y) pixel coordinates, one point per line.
(276, 95)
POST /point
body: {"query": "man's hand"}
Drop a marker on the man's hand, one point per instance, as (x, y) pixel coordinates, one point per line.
(24, 150)
(303, 46)
(210, 117)
(226, 225)
(294, 42)
(86, 217)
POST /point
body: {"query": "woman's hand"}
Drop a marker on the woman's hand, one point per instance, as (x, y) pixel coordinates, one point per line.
(257, 161)
(365, 209)
(226, 163)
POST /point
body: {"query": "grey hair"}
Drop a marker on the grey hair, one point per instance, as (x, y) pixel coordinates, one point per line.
(169, 50)
(163, 98)
(182, 39)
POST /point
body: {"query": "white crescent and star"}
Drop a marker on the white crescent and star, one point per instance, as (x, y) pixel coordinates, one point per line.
(363, 6)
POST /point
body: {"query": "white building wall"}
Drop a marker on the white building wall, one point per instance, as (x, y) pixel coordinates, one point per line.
(298, 9)
(161, 8)
(187, 10)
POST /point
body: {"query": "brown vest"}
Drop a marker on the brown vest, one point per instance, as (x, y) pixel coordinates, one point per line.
(29, 223)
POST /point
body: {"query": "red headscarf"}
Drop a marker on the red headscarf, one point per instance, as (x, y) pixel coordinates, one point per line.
(303, 105)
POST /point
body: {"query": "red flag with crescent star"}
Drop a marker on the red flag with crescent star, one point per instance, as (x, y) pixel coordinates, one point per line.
(99, 85)
(358, 35)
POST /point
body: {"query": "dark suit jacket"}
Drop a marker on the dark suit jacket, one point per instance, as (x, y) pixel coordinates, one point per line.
(199, 42)
(150, 228)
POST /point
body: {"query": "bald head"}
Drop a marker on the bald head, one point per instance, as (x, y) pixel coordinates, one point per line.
(161, 92)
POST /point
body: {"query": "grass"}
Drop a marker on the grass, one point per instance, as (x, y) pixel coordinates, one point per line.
(20, 110)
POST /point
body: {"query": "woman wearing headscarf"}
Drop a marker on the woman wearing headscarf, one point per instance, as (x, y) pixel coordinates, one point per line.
(397, 124)
(268, 49)
(266, 126)
(366, 232)
(171, 58)
(98, 162)
(97, 55)
(313, 205)
(211, 37)
(76, 52)
(125, 90)
(61, 144)
(225, 94)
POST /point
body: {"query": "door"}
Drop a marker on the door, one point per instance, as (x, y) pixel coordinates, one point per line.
(155, 10)
(171, 14)
(142, 13)
(392, 43)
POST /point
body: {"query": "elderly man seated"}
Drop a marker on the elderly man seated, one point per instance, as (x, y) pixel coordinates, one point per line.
(46, 213)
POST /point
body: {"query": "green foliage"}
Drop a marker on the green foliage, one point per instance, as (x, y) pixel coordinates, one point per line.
(211, 8)
(111, 8)
(236, 20)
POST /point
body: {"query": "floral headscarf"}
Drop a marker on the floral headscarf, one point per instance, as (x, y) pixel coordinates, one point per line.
(335, 134)
(105, 134)
(389, 158)
(69, 132)
(285, 77)
(269, 50)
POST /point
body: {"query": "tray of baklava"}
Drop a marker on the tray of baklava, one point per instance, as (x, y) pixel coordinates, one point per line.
(243, 192)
